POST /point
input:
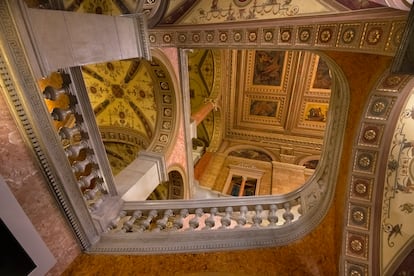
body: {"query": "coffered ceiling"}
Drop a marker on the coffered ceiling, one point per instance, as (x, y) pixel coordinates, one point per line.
(263, 99)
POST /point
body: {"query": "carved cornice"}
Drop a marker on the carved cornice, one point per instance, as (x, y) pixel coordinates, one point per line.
(379, 33)
(123, 135)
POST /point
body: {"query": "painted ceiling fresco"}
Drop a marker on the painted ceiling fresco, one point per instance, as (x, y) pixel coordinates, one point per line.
(201, 68)
(398, 202)
(109, 7)
(123, 100)
(215, 11)
(268, 103)
(201, 76)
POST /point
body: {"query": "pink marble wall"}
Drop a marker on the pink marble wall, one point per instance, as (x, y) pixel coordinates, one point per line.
(176, 156)
(26, 181)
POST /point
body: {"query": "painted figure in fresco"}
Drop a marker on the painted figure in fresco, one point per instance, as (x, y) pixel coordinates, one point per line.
(395, 230)
(323, 76)
(268, 68)
(316, 114)
(263, 108)
(407, 208)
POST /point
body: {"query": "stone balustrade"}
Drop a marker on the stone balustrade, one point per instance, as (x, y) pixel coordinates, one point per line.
(74, 140)
(203, 215)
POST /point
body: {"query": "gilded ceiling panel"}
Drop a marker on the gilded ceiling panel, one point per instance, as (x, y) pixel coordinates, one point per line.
(201, 75)
(275, 100)
(122, 95)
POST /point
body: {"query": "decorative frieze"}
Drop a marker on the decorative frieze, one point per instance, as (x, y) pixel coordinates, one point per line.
(379, 35)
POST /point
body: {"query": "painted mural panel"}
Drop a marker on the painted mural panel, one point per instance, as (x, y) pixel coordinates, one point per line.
(398, 201)
(322, 78)
(268, 68)
(215, 11)
(263, 108)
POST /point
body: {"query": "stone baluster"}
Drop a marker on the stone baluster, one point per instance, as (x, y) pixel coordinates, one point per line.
(287, 215)
(128, 225)
(80, 167)
(162, 223)
(95, 205)
(257, 218)
(70, 134)
(114, 223)
(242, 219)
(60, 114)
(145, 224)
(226, 220)
(73, 151)
(179, 222)
(89, 181)
(210, 221)
(52, 93)
(195, 221)
(272, 217)
(91, 194)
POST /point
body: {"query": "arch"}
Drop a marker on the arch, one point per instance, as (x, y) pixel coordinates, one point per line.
(177, 169)
(302, 161)
(168, 116)
(363, 218)
(228, 151)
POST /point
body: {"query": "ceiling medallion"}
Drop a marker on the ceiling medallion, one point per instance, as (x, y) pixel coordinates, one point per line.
(356, 245)
(237, 36)
(374, 36)
(392, 81)
(167, 112)
(325, 35)
(159, 73)
(304, 35)
(152, 38)
(355, 271)
(196, 37)
(209, 37)
(360, 188)
(379, 106)
(167, 99)
(348, 35)
(359, 215)
(163, 138)
(166, 125)
(164, 85)
(117, 91)
(252, 36)
(285, 35)
(365, 161)
(167, 38)
(268, 36)
(182, 37)
(223, 37)
(370, 135)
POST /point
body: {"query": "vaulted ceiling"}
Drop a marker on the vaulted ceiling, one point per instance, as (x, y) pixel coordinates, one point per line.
(258, 90)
